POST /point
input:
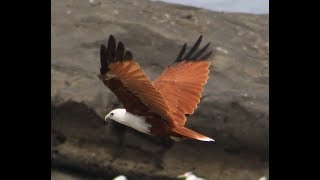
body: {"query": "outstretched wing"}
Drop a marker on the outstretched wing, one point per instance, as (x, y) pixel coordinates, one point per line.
(181, 84)
(128, 82)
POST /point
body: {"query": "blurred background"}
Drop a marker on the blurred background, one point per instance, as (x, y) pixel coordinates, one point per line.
(235, 110)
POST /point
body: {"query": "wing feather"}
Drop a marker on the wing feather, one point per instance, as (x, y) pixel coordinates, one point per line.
(129, 83)
(181, 84)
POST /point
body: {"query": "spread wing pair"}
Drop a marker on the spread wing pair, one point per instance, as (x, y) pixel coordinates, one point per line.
(170, 97)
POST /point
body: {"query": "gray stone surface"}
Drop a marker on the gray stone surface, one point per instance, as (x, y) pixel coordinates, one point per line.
(235, 113)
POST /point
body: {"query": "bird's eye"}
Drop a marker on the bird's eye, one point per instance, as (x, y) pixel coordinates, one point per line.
(111, 114)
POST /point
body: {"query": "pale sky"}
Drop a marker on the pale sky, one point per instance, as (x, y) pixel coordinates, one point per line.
(245, 6)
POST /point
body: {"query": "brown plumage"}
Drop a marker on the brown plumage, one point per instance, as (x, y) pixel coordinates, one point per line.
(165, 102)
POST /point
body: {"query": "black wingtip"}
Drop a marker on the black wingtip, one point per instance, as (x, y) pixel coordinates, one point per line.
(119, 52)
(111, 37)
(112, 53)
(201, 51)
(103, 59)
(128, 56)
(191, 55)
(193, 49)
(111, 49)
(206, 56)
(200, 38)
(111, 40)
(182, 51)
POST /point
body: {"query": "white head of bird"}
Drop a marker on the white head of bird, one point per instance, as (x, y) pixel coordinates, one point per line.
(116, 115)
(128, 119)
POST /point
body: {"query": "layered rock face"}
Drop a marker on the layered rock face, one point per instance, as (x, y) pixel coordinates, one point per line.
(235, 111)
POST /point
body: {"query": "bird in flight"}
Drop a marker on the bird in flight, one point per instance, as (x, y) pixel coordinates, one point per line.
(158, 107)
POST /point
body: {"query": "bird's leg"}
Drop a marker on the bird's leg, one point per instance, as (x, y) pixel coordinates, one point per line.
(119, 130)
(166, 144)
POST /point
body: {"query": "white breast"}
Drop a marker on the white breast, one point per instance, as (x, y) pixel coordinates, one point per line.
(136, 122)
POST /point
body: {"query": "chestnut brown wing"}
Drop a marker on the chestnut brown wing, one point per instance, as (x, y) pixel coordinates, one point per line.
(181, 84)
(124, 77)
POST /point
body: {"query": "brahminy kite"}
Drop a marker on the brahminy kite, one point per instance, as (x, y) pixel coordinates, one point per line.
(158, 107)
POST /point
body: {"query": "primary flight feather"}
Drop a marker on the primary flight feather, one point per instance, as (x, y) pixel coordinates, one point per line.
(156, 107)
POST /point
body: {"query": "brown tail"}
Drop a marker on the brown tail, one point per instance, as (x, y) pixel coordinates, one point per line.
(185, 132)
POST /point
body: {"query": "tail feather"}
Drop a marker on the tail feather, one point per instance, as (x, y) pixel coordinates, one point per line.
(185, 132)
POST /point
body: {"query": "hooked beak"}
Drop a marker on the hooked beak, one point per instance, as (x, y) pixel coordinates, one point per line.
(106, 120)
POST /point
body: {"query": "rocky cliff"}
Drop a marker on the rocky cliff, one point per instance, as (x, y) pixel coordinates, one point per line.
(235, 111)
